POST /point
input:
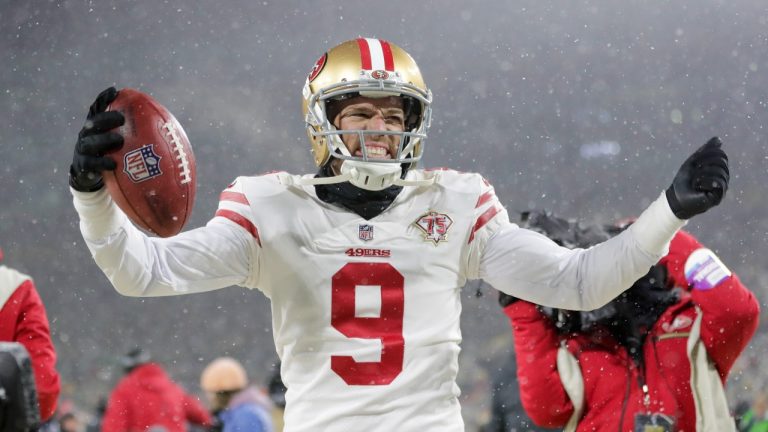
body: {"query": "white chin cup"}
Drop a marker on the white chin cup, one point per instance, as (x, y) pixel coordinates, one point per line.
(372, 176)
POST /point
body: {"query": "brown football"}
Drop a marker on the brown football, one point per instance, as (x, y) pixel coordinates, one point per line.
(154, 182)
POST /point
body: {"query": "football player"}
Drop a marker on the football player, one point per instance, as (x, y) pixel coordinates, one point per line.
(364, 261)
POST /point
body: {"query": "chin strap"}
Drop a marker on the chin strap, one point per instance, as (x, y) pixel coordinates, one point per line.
(370, 176)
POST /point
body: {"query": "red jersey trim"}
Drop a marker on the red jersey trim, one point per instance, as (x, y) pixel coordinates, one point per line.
(484, 198)
(482, 220)
(240, 220)
(234, 197)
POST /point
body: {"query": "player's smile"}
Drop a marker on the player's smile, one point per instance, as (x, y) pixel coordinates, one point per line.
(372, 114)
(375, 151)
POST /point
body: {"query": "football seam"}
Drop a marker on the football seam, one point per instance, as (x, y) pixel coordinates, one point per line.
(178, 149)
(183, 165)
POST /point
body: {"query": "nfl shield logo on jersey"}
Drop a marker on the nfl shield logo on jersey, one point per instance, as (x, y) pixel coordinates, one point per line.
(434, 225)
(365, 232)
(142, 164)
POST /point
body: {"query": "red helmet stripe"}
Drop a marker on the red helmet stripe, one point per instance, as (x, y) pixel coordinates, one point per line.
(365, 53)
(389, 61)
(376, 54)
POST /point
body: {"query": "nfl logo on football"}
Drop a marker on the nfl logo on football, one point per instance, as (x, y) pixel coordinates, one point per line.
(142, 164)
(365, 232)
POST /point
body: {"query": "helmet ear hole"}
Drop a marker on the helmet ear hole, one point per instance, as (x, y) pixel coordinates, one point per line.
(319, 146)
(332, 109)
(412, 110)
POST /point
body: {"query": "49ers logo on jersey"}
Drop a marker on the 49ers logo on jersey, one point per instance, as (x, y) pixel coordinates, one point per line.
(434, 225)
(368, 252)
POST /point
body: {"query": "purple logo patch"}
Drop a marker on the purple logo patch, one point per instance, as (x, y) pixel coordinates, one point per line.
(704, 270)
(142, 164)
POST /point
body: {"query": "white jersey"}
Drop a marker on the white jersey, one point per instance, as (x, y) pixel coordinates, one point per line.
(366, 313)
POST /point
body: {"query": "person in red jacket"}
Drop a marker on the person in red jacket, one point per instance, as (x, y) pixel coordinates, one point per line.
(655, 358)
(23, 319)
(147, 399)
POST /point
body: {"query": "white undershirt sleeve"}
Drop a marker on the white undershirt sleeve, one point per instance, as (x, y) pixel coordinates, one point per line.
(212, 257)
(528, 265)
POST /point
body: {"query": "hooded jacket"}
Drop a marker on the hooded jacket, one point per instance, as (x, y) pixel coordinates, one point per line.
(589, 382)
(147, 397)
(23, 319)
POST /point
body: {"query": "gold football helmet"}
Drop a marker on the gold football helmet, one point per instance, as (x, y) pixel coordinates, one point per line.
(371, 68)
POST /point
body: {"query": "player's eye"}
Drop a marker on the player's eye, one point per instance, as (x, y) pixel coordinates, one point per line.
(358, 115)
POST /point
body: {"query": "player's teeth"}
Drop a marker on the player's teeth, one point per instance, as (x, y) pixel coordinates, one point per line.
(376, 151)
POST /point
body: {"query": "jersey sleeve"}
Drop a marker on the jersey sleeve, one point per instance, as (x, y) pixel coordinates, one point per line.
(218, 255)
(528, 265)
(488, 217)
(235, 211)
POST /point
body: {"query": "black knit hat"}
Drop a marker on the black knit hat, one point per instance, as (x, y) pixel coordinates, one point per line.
(135, 357)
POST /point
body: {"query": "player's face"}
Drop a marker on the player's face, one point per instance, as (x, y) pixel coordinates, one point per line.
(363, 113)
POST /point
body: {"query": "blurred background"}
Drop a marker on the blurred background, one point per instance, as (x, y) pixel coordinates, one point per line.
(586, 108)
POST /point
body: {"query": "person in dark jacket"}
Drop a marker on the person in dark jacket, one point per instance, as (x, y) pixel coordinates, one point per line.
(276, 390)
(655, 357)
(147, 399)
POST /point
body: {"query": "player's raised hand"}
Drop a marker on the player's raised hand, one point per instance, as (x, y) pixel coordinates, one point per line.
(701, 182)
(93, 142)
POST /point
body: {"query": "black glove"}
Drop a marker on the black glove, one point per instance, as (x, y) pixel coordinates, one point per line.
(701, 181)
(506, 299)
(93, 141)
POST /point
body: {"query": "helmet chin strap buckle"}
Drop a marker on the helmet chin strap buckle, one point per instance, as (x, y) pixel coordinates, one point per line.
(372, 176)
